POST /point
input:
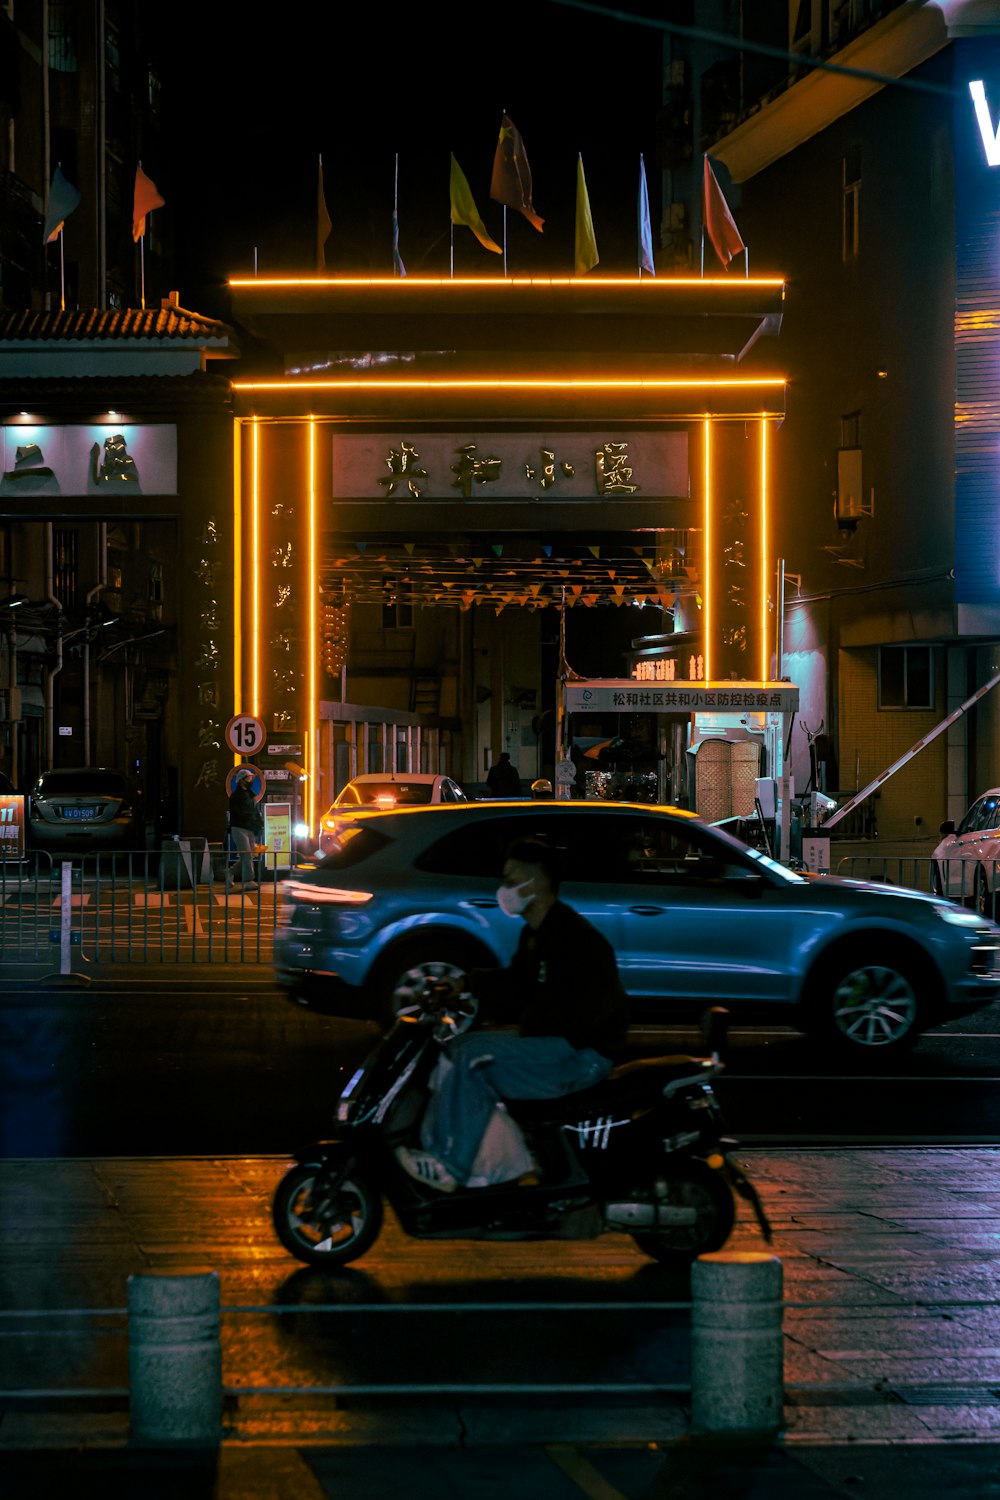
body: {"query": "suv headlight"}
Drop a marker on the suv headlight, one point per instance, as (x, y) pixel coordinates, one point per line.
(955, 917)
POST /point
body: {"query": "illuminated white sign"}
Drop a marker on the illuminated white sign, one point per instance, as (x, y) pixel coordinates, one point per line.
(989, 132)
(102, 458)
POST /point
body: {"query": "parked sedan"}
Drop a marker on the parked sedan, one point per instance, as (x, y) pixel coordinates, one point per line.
(85, 809)
(385, 790)
(967, 861)
(695, 917)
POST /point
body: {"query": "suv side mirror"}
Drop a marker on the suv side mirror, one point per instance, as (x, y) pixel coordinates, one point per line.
(948, 826)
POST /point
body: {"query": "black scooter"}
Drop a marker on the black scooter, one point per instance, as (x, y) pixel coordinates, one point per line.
(642, 1153)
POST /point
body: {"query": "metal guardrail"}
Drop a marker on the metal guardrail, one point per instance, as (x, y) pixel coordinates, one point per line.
(167, 906)
(970, 881)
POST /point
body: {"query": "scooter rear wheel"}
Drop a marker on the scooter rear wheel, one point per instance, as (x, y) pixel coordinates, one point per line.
(322, 1228)
(708, 1195)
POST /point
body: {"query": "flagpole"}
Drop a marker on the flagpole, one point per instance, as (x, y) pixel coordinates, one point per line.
(142, 269)
(395, 218)
(62, 271)
(703, 161)
(505, 241)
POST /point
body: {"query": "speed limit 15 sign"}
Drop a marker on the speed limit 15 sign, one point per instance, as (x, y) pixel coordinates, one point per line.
(244, 734)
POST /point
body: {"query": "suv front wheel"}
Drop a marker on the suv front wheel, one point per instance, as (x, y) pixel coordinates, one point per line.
(868, 1002)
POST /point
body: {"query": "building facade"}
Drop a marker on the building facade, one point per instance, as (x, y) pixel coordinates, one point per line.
(865, 176)
(116, 545)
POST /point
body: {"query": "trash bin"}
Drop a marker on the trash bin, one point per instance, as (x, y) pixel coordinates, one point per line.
(184, 862)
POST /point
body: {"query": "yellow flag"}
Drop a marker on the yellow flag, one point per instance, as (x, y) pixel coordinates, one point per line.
(586, 245)
(464, 210)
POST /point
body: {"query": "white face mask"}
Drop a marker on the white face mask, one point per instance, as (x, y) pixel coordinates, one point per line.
(512, 900)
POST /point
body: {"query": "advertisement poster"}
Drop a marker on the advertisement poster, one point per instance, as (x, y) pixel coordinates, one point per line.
(12, 826)
(277, 836)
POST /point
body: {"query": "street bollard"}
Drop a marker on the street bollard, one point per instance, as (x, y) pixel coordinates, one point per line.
(737, 1367)
(174, 1360)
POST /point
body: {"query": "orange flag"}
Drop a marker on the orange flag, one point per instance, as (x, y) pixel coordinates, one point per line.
(147, 197)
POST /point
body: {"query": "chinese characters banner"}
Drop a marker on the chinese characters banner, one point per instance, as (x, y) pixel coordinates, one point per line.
(462, 466)
(738, 585)
(277, 575)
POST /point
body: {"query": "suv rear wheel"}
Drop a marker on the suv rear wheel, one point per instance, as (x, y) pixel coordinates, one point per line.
(405, 974)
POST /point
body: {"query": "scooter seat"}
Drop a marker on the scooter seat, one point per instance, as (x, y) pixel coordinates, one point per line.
(643, 1071)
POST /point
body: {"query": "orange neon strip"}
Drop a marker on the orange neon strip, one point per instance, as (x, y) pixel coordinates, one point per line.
(255, 566)
(237, 565)
(377, 383)
(647, 287)
(706, 583)
(312, 584)
(764, 529)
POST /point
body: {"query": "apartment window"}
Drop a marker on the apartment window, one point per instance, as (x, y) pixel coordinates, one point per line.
(154, 94)
(113, 58)
(116, 564)
(64, 566)
(62, 38)
(851, 218)
(905, 677)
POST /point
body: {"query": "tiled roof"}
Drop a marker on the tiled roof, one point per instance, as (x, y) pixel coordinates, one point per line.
(129, 324)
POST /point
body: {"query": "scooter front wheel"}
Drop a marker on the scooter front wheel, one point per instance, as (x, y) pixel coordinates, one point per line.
(324, 1227)
(706, 1214)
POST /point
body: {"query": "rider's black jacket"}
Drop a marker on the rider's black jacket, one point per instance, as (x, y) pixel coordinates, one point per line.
(562, 981)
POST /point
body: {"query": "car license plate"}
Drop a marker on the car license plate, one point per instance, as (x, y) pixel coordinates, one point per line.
(79, 812)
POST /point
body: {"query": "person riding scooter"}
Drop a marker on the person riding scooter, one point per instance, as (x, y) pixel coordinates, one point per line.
(563, 984)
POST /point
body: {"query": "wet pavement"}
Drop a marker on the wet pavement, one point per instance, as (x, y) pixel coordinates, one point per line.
(891, 1330)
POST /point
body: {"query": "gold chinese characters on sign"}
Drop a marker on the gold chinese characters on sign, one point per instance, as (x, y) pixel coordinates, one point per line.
(613, 472)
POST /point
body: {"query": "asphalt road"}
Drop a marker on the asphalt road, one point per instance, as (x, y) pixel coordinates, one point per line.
(173, 1063)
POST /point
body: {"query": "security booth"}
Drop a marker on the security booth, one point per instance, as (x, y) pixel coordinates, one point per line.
(726, 755)
(451, 479)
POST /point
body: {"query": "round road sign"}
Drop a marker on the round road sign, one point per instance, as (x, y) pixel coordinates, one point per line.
(245, 734)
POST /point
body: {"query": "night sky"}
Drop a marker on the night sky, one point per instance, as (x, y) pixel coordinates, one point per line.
(249, 105)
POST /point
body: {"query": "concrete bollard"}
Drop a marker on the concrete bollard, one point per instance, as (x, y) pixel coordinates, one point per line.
(174, 1360)
(737, 1365)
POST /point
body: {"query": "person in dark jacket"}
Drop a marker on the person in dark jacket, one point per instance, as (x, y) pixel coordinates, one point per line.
(563, 989)
(245, 827)
(502, 778)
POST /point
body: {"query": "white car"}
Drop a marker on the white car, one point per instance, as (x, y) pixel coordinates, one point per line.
(966, 864)
(385, 790)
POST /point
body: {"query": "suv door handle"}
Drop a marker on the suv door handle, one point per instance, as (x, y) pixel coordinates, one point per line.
(647, 911)
(485, 901)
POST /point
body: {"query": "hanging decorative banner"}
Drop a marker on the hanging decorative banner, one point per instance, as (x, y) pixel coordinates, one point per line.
(594, 551)
(497, 547)
(409, 546)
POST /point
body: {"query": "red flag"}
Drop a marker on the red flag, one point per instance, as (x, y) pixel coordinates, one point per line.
(147, 197)
(720, 226)
(324, 226)
(511, 184)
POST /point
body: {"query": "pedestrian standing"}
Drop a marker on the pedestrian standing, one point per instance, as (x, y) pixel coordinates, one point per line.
(245, 827)
(502, 778)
